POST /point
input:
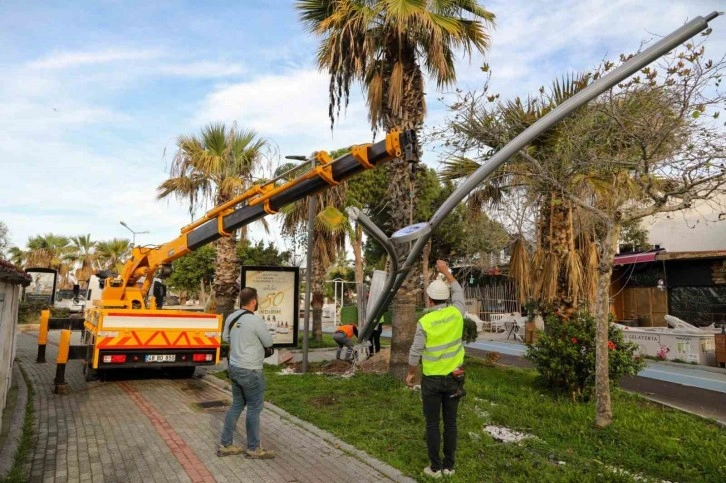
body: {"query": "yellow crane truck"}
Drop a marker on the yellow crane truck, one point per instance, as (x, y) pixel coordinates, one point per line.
(122, 325)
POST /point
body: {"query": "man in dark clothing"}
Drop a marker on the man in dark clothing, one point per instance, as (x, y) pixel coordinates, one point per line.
(375, 338)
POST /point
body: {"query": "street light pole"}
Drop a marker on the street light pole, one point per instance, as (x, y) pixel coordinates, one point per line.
(309, 266)
(133, 242)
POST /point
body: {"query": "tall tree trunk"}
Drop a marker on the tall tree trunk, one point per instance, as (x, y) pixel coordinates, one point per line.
(226, 288)
(550, 279)
(403, 323)
(401, 199)
(603, 407)
(316, 303)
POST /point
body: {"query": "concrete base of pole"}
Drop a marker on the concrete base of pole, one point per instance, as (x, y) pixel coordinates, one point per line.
(61, 387)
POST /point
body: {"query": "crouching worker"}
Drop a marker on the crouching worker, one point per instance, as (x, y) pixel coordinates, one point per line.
(438, 344)
(342, 336)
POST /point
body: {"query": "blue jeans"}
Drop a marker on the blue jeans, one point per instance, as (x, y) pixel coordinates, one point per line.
(248, 389)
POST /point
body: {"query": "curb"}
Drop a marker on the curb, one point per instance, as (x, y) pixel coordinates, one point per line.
(695, 367)
(10, 447)
(383, 468)
(679, 408)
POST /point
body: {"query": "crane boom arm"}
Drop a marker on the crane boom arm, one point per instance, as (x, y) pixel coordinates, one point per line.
(250, 206)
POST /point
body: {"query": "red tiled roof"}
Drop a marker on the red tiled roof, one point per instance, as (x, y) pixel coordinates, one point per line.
(12, 274)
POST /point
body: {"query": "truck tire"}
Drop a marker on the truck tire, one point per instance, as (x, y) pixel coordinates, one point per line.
(93, 375)
(90, 373)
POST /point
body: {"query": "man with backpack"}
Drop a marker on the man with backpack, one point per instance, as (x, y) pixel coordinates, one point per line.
(249, 343)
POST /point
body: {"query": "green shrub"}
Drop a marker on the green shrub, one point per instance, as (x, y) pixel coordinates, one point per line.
(61, 313)
(564, 354)
(470, 333)
(29, 312)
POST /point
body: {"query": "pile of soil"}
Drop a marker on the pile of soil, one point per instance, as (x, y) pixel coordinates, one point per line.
(378, 363)
(337, 367)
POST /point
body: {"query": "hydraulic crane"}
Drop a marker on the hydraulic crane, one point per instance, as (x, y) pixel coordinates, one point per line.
(121, 329)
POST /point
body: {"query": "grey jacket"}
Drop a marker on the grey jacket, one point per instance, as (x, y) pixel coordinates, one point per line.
(419, 340)
(247, 338)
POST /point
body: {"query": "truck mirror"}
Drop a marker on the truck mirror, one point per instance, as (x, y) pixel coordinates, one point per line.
(76, 290)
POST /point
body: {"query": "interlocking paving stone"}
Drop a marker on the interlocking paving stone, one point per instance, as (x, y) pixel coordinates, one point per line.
(144, 429)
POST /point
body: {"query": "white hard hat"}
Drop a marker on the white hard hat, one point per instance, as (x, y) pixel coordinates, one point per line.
(438, 290)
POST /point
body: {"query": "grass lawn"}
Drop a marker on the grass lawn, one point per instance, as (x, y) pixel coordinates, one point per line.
(382, 417)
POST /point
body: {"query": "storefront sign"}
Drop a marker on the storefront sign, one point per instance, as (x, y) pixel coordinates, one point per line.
(278, 297)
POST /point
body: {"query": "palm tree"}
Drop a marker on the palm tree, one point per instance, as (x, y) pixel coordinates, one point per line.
(47, 251)
(50, 251)
(215, 167)
(562, 271)
(329, 232)
(386, 45)
(17, 256)
(111, 254)
(83, 254)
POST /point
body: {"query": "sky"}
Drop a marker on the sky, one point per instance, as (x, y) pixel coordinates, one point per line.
(94, 94)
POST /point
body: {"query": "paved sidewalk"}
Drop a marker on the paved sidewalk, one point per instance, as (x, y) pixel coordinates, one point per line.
(142, 430)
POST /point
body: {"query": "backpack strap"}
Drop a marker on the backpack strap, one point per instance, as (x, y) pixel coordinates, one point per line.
(231, 323)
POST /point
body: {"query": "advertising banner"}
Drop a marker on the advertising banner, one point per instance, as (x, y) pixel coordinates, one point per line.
(42, 285)
(278, 297)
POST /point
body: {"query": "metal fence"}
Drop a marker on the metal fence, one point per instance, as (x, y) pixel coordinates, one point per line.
(498, 298)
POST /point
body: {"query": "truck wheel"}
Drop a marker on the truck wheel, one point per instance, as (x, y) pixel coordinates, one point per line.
(182, 372)
(91, 374)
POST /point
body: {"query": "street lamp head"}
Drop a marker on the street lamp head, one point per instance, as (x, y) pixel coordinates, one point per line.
(124, 224)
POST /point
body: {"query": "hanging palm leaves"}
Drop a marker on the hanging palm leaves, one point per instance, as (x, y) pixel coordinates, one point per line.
(574, 271)
(519, 269)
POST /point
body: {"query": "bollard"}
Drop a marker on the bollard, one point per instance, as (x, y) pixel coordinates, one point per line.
(61, 387)
(43, 335)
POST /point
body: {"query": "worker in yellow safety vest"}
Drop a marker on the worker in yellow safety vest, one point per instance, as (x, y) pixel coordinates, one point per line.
(438, 344)
(342, 336)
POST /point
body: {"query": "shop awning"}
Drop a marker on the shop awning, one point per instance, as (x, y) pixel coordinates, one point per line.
(630, 258)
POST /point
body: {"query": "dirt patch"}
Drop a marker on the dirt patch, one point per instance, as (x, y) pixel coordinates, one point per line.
(337, 367)
(323, 401)
(377, 364)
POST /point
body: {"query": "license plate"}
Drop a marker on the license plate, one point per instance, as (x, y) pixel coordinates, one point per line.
(161, 358)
